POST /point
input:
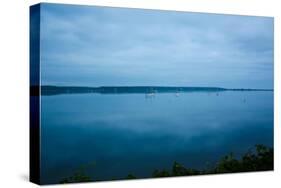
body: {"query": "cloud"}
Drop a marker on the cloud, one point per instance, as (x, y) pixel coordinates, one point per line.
(83, 45)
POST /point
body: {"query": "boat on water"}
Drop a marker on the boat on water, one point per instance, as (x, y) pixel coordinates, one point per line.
(177, 94)
(150, 94)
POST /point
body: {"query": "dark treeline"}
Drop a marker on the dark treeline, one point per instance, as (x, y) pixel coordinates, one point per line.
(259, 159)
(55, 90)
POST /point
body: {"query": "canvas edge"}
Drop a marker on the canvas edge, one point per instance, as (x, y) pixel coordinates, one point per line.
(34, 94)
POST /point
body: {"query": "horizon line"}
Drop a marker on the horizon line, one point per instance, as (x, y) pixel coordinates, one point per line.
(158, 86)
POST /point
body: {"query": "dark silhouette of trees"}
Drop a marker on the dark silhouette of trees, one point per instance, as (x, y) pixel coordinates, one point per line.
(259, 159)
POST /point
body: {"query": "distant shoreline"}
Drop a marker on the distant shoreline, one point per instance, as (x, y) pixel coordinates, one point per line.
(56, 90)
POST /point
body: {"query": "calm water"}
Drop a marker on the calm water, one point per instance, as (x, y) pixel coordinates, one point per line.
(130, 133)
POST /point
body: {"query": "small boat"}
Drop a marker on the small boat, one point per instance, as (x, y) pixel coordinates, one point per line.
(150, 94)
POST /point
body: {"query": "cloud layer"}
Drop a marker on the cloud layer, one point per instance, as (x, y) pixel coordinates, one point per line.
(95, 46)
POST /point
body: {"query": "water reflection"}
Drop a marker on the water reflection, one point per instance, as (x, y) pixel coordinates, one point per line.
(133, 133)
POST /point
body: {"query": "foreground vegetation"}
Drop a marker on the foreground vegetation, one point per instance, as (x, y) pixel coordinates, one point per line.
(259, 159)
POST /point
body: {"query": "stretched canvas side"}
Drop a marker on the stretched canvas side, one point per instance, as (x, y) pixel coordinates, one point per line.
(34, 163)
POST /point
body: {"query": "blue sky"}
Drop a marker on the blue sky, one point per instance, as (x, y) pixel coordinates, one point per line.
(102, 46)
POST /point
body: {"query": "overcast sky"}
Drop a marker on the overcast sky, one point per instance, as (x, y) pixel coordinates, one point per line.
(98, 46)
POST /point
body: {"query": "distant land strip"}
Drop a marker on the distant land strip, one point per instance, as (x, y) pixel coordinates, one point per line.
(56, 90)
